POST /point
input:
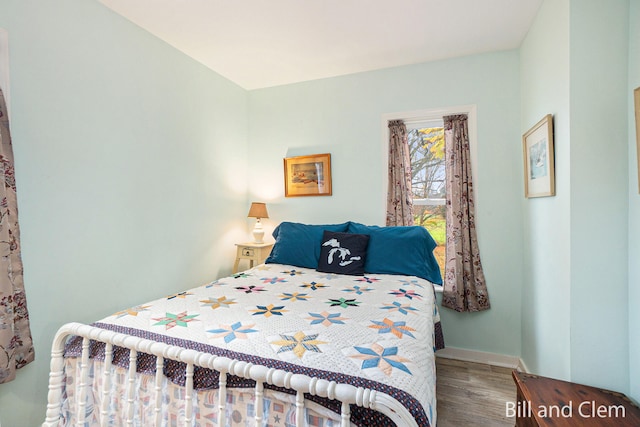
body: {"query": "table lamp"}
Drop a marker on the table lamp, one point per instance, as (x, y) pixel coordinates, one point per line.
(258, 210)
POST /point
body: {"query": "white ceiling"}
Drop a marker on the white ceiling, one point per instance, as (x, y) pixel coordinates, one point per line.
(260, 43)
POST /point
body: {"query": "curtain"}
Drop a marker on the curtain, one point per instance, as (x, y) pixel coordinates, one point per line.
(399, 197)
(464, 288)
(16, 347)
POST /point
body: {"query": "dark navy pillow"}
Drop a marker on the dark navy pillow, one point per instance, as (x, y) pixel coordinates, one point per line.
(406, 250)
(299, 244)
(343, 253)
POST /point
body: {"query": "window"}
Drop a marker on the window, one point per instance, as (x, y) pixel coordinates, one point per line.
(426, 146)
(428, 188)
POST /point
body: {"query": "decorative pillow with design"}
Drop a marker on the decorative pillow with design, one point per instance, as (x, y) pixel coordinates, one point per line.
(343, 253)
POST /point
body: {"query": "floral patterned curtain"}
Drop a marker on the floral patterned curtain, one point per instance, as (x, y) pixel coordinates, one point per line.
(399, 196)
(16, 347)
(464, 288)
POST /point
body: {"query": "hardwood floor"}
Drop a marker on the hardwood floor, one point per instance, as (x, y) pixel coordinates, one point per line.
(473, 394)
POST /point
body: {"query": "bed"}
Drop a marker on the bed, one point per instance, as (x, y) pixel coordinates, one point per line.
(338, 328)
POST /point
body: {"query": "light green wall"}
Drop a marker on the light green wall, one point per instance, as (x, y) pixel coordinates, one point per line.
(576, 322)
(634, 206)
(544, 68)
(599, 181)
(343, 116)
(130, 160)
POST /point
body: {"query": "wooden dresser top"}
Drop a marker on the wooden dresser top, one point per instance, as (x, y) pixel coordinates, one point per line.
(559, 403)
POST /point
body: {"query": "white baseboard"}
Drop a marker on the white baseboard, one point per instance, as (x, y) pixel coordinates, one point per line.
(494, 359)
(522, 367)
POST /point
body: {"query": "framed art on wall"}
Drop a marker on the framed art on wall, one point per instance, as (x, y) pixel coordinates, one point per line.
(539, 169)
(307, 175)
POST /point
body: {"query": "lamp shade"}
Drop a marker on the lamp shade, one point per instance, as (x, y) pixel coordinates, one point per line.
(258, 210)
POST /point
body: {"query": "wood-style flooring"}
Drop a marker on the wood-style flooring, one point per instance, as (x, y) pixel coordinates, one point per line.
(473, 394)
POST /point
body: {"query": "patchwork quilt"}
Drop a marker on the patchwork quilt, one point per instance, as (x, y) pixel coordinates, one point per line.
(374, 331)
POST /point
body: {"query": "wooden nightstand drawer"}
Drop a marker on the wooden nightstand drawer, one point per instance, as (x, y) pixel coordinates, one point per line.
(247, 252)
(255, 253)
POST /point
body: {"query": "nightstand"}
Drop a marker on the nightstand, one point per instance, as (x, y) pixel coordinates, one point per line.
(255, 253)
(548, 402)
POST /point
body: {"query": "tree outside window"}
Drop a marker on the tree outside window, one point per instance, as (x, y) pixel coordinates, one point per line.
(426, 145)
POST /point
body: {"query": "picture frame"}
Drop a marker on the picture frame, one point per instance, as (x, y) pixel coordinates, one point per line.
(307, 175)
(539, 168)
(636, 96)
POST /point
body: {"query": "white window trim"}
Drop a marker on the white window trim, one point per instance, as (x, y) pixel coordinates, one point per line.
(4, 67)
(423, 115)
(429, 202)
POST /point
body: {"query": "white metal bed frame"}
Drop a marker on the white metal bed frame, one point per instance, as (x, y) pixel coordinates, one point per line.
(301, 384)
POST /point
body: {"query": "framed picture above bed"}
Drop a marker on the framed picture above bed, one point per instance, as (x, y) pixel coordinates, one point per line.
(539, 169)
(307, 175)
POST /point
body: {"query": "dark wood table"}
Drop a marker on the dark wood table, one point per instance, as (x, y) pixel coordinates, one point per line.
(545, 401)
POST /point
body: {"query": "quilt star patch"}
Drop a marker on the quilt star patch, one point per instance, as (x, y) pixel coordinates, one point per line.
(366, 279)
(412, 282)
(133, 311)
(273, 280)
(214, 283)
(357, 289)
(411, 294)
(292, 272)
(383, 358)
(179, 295)
(232, 332)
(387, 326)
(343, 302)
(269, 310)
(293, 296)
(251, 289)
(314, 286)
(298, 343)
(214, 303)
(400, 308)
(326, 319)
(171, 320)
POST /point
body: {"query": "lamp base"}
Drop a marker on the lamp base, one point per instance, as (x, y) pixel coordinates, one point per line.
(258, 232)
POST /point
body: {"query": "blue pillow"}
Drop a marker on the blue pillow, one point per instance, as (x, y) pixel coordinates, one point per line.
(299, 244)
(400, 250)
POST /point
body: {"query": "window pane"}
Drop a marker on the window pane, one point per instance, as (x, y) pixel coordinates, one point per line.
(426, 145)
(433, 218)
